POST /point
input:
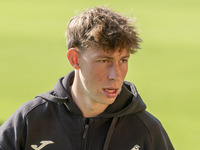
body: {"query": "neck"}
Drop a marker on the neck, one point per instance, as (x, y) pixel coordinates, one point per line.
(88, 107)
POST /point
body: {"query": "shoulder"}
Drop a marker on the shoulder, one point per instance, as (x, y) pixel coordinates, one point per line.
(13, 129)
(30, 106)
(36, 107)
(158, 135)
(150, 121)
(20, 114)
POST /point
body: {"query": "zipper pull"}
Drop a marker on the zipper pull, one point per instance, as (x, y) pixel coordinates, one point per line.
(85, 131)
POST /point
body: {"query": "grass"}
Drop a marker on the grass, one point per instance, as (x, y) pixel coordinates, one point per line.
(165, 72)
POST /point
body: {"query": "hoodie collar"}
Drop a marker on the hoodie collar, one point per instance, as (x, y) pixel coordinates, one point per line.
(63, 89)
(128, 100)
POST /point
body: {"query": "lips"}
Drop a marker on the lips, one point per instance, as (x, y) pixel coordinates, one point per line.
(111, 92)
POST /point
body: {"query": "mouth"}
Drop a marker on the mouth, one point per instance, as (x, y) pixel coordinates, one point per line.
(111, 92)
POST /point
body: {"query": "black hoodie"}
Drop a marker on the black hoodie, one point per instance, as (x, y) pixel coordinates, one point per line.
(52, 121)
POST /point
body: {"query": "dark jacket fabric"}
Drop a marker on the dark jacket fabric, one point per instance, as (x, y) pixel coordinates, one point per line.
(52, 121)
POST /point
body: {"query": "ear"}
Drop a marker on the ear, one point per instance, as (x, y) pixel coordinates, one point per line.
(73, 55)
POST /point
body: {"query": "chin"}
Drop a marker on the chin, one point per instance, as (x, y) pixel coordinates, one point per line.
(109, 101)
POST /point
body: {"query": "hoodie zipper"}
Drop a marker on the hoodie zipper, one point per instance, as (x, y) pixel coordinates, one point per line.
(85, 134)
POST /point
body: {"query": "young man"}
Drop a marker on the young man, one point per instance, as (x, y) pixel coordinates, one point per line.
(92, 108)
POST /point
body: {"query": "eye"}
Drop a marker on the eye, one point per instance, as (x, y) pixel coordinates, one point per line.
(124, 60)
(103, 61)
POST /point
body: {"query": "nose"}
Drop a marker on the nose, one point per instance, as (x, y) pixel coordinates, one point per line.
(114, 71)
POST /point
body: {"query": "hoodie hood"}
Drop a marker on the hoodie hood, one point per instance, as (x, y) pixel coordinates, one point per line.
(127, 102)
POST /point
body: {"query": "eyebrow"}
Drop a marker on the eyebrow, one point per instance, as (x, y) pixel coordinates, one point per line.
(111, 58)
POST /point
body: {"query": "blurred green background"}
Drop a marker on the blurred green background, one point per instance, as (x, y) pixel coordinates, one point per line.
(166, 71)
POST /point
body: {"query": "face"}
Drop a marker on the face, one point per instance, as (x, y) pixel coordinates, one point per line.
(101, 74)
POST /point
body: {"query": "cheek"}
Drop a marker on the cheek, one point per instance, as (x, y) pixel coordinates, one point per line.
(94, 75)
(98, 72)
(99, 76)
(124, 70)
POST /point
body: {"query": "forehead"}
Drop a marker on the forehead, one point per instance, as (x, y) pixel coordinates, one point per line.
(99, 52)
